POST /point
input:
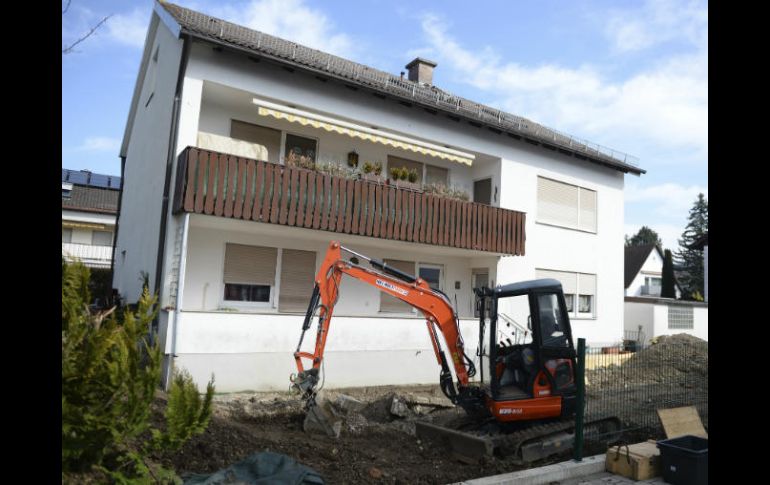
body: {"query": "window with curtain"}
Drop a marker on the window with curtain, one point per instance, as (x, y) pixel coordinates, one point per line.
(566, 205)
(249, 274)
(391, 304)
(297, 280)
(579, 291)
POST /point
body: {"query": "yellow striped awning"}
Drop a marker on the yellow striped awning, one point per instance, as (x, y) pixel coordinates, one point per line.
(345, 128)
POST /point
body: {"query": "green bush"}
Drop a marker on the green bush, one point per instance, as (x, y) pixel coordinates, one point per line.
(186, 414)
(110, 372)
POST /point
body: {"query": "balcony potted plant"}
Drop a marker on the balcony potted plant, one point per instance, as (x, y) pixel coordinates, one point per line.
(405, 178)
(371, 172)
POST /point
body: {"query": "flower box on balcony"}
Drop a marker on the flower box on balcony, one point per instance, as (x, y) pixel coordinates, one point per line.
(403, 184)
(370, 177)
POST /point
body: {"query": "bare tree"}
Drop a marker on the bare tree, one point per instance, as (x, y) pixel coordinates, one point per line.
(68, 49)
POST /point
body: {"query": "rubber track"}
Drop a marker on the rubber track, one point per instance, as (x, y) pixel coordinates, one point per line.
(510, 444)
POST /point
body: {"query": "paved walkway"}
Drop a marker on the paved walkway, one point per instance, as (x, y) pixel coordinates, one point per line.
(605, 478)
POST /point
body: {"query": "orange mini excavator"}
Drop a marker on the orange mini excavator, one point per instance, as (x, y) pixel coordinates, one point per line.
(530, 382)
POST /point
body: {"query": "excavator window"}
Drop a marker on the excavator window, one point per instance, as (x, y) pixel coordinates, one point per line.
(552, 321)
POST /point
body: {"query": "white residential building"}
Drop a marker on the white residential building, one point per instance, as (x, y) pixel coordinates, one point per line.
(231, 233)
(89, 204)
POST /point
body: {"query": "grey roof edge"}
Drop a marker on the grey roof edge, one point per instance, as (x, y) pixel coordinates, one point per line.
(212, 29)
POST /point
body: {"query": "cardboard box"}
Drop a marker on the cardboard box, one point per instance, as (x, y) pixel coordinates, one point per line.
(640, 461)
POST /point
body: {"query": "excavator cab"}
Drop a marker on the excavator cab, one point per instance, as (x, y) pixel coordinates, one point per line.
(529, 368)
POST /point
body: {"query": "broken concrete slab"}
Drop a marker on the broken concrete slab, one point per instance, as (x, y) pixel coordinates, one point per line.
(398, 407)
(321, 419)
(348, 404)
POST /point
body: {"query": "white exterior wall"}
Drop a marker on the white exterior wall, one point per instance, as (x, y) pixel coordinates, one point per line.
(653, 317)
(557, 248)
(640, 315)
(255, 351)
(145, 166)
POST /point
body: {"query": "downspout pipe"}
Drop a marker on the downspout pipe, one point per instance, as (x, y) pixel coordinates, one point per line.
(179, 296)
(170, 159)
(117, 224)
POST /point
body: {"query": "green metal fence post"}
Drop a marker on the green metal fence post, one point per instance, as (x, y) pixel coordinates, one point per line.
(581, 393)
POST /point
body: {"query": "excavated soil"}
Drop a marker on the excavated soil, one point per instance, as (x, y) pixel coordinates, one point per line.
(671, 373)
(374, 445)
(377, 443)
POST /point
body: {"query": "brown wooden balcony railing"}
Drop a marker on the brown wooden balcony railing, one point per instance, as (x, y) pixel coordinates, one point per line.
(224, 185)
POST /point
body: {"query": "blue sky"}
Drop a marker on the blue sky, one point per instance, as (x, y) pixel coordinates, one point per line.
(632, 76)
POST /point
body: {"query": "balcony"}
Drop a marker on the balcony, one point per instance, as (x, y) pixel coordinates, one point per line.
(219, 184)
(91, 256)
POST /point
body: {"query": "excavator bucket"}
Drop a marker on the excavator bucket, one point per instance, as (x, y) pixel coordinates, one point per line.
(465, 447)
(321, 419)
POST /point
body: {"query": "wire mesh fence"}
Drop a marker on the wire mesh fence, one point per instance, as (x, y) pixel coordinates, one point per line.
(632, 382)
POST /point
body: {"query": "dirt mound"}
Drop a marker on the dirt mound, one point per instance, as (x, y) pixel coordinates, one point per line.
(672, 372)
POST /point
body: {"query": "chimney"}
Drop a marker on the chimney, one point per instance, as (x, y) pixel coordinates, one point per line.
(421, 70)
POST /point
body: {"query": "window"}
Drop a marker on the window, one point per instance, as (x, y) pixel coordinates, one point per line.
(586, 292)
(253, 293)
(680, 317)
(391, 304)
(482, 191)
(433, 274)
(651, 285)
(101, 238)
(66, 190)
(66, 235)
(429, 174)
(566, 205)
(249, 274)
(300, 146)
(297, 280)
(569, 300)
(578, 288)
(261, 135)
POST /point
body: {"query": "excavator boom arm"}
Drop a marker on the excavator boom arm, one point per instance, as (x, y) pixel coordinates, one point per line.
(436, 307)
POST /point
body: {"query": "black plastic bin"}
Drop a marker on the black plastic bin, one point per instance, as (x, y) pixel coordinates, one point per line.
(685, 460)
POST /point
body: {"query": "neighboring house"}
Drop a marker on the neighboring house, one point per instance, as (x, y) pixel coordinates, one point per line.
(703, 244)
(644, 271)
(231, 235)
(89, 204)
(646, 314)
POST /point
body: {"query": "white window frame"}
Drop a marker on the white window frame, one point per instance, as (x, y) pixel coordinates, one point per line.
(554, 224)
(272, 304)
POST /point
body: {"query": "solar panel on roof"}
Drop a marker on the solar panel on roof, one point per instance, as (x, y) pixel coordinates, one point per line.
(82, 177)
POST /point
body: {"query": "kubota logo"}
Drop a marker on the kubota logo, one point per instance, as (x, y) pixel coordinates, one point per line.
(392, 287)
(511, 411)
